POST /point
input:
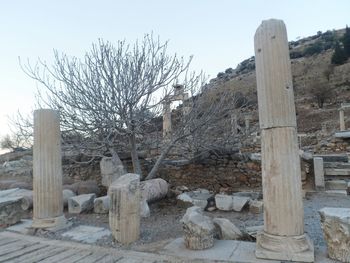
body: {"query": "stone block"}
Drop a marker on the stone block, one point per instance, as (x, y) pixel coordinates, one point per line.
(66, 193)
(102, 204)
(239, 202)
(154, 189)
(11, 210)
(81, 203)
(124, 212)
(226, 230)
(335, 223)
(319, 173)
(198, 229)
(336, 185)
(224, 202)
(336, 192)
(256, 207)
(111, 170)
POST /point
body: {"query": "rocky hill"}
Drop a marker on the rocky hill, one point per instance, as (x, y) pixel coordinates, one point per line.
(314, 78)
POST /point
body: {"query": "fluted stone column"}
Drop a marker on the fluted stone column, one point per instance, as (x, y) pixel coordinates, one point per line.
(124, 212)
(283, 237)
(341, 120)
(166, 120)
(47, 171)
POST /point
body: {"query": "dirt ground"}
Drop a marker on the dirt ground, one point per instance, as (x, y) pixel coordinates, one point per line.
(164, 222)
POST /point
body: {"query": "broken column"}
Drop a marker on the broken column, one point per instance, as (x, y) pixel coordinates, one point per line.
(47, 171)
(124, 212)
(335, 223)
(166, 120)
(341, 119)
(283, 237)
(111, 169)
(319, 174)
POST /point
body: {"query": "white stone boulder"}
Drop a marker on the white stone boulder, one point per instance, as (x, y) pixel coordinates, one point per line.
(154, 189)
(11, 210)
(81, 203)
(239, 202)
(226, 230)
(102, 204)
(335, 223)
(224, 202)
(199, 229)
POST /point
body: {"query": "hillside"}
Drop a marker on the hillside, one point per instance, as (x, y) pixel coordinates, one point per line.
(313, 76)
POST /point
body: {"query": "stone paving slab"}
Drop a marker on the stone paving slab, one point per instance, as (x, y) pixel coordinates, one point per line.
(87, 234)
(16, 247)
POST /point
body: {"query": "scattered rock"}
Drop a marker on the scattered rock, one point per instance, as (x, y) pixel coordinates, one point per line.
(11, 210)
(22, 185)
(256, 207)
(154, 189)
(253, 230)
(144, 209)
(81, 203)
(102, 204)
(224, 202)
(199, 229)
(335, 223)
(184, 197)
(226, 230)
(66, 195)
(87, 187)
(239, 202)
(211, 206)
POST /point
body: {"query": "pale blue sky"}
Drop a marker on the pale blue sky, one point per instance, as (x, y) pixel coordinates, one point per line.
(218, 33)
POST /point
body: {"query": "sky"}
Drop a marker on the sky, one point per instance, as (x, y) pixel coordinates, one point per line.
(219, 34)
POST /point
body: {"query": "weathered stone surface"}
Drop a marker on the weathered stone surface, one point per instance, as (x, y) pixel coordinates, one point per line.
(336, 192)
(87, 234)
(283, 237)
(335, 223)
(102, 205)
(26, 195)
(47, 170)
(200, 199)
(224, 202)
(198, 229)
(319, 173)
(226, 230)
(254, 230)
(154, 189)
(81, 203)
(252, 195)
(185, 197)
(111, 170)
(239, 202)
(86, 187)
(144, 209)
(256, 207)
(11, 210)
(66, 193)
(124, 213)
(336, 185)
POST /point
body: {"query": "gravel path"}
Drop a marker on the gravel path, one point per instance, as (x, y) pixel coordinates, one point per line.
(164, 222)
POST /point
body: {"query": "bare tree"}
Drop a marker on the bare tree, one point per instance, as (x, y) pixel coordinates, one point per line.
(103, 99)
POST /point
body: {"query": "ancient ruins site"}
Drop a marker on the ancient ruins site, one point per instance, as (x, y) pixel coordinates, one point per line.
(144, 164)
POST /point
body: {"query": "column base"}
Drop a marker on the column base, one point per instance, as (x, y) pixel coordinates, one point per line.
(292, 248)
(52, 224)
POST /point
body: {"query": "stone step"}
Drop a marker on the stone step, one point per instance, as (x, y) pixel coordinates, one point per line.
(336, 172)
(336, 165)
(334, 157)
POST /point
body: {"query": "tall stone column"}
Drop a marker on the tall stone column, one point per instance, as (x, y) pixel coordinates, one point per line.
(283, 237)
(341, 119)
(166, 120)
(47, 171)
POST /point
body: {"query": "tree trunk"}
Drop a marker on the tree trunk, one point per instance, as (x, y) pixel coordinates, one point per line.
(134, 156)
(156, 166)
